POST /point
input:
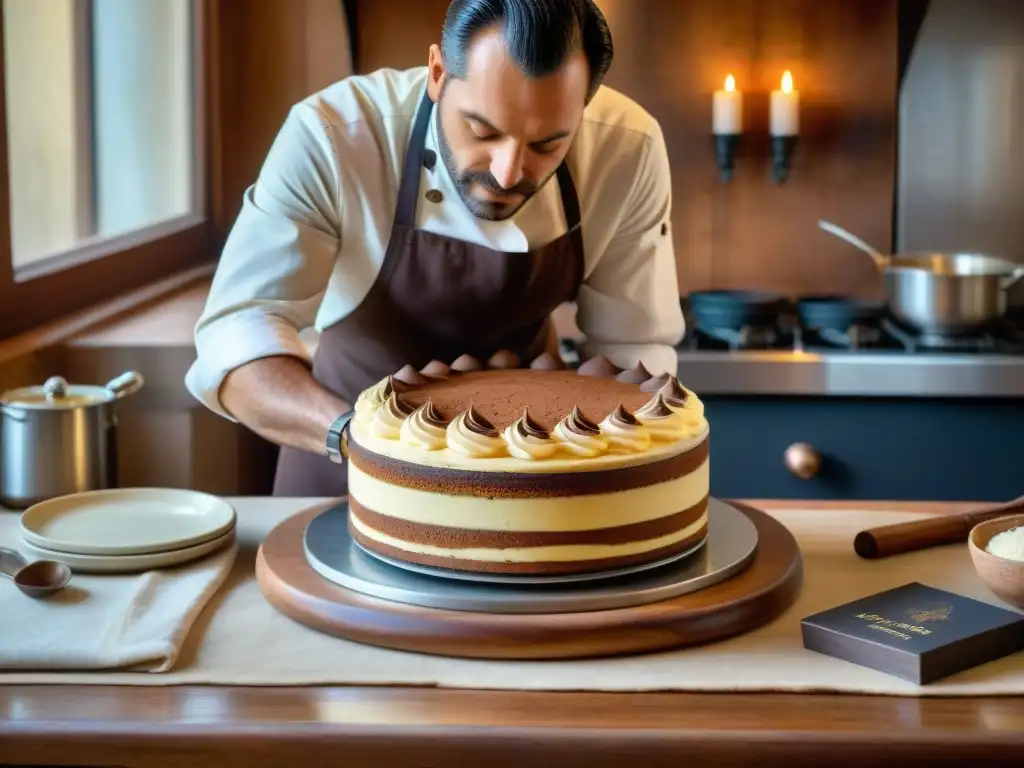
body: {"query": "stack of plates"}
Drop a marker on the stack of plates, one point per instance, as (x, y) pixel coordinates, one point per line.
(126, 530)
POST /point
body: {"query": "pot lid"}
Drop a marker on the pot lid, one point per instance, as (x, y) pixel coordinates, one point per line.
(56, 394)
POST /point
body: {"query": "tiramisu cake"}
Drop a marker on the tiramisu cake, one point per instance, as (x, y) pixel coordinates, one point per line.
(492, 467)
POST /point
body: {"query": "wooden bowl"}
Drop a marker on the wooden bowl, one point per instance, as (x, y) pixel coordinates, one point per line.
(1005, 578)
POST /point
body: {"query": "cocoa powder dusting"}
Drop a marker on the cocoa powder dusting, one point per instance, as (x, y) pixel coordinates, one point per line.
(502, 396)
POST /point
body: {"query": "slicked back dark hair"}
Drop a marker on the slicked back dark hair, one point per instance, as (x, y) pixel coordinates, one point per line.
(540, 35)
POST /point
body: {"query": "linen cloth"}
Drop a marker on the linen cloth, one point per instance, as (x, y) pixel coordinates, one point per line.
(137, 621)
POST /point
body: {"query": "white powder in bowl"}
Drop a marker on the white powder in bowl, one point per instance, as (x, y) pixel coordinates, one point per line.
(1008, 544)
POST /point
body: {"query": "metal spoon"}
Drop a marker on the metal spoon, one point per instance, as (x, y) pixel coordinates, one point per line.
(39, 579)
(881, 260)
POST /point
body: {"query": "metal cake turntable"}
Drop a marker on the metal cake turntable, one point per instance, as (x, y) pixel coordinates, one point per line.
(331, 552)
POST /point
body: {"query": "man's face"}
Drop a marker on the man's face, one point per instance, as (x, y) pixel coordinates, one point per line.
(502, 134)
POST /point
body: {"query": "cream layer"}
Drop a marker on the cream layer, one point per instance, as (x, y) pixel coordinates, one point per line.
(547, 554)
(561, 461)
(558, 513)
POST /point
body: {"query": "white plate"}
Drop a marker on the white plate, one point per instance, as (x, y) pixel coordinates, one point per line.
(126, 521)
(127, 563)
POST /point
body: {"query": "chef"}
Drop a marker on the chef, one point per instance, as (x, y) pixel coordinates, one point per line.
(422, 214)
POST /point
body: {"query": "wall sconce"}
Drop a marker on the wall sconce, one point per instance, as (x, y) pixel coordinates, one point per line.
(784, 126)
(726, 126)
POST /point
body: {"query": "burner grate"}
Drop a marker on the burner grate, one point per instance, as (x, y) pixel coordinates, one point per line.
(854, 337)
(999, 340)
(747, 337)
(884, 334)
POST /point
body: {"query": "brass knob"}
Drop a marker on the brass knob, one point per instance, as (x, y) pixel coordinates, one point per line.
(802, 460)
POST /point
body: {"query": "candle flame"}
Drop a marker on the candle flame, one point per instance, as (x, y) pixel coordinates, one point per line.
(730, 83)
(787, 82)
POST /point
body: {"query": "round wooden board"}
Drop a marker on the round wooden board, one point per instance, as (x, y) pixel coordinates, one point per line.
(752, 598)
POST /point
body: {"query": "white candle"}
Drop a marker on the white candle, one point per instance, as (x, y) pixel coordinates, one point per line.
(727, 110)
(785, 108)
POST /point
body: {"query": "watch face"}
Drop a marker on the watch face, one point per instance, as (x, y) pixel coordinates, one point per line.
(344, 424)
(343, 438)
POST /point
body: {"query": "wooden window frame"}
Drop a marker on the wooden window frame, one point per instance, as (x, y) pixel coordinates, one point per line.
(95, 273)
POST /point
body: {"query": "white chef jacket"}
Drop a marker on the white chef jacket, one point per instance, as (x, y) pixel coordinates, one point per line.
(312, 231)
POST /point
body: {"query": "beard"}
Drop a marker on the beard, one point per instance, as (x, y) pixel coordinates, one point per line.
(465, 179)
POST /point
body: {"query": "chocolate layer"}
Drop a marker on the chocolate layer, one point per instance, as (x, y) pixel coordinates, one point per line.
(502, 396)
(483, 566)
(518, 485)
(448, 537)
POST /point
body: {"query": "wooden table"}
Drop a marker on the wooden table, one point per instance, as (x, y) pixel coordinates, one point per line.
(256, 727)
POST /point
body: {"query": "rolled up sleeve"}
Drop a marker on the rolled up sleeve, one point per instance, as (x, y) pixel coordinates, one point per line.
(277, 261)
(628, 307)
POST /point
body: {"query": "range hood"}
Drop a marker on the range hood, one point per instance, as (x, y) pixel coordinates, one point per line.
(960, 174)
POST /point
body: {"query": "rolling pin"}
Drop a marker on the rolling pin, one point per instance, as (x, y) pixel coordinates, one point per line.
(876, 543)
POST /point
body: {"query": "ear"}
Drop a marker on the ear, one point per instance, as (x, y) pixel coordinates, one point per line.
(436, 73)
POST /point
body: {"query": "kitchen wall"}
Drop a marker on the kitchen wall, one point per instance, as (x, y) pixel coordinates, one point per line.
(670, 56)
(280, 52)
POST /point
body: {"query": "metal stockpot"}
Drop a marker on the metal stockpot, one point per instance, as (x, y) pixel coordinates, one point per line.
(945, 294)
(59, 439)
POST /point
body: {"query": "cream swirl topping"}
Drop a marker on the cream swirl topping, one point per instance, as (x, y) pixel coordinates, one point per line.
(472, 435)
(678, 398)
(389, 417)
(424, 428)
(580, 436)
(662, 422)
(526, 439)
(625, 433)
(370, 400)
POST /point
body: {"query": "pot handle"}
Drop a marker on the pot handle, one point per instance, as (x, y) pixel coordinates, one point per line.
(127, 383)
(1012, 279)
(881, 261)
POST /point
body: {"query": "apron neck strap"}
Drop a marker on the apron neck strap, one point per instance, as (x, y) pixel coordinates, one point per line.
(409, 188)
(570, 200)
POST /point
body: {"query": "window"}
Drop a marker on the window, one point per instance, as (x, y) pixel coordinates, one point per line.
(104, 185)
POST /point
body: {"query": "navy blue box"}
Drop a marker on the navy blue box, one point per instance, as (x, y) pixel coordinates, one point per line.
(915, 632)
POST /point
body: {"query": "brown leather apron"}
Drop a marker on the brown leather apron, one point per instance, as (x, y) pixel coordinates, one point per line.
(437, 297)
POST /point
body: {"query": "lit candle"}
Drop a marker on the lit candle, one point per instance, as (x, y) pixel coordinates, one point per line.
(785, 108)
(727, 112)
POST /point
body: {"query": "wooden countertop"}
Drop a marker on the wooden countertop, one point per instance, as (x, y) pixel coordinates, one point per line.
(355, 726)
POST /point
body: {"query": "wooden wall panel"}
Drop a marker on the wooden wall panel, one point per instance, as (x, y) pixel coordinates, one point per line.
(670, 56)
(272, 54)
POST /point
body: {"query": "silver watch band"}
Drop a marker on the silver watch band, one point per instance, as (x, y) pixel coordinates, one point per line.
(337, 438)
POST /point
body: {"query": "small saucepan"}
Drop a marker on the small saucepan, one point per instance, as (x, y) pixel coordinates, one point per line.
(947, 294)
(836, 313)
(724, 310)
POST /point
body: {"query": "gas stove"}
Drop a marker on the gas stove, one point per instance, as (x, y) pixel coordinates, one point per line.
(757, 322)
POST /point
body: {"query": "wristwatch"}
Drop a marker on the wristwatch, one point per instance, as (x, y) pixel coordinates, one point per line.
(337, 437)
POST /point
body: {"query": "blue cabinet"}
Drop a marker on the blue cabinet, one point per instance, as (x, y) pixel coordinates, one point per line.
(886, 449)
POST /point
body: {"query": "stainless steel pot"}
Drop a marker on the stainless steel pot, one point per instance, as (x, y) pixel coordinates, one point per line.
(59, 438)
(944, 294)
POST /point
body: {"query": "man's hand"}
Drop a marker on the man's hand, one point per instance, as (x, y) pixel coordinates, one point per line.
(278, 399)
